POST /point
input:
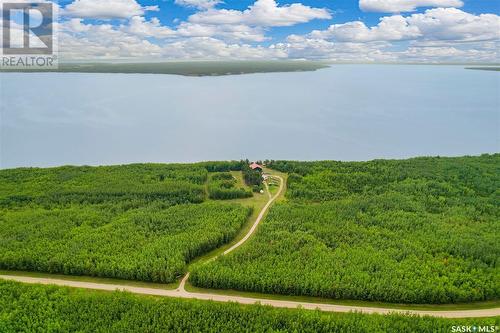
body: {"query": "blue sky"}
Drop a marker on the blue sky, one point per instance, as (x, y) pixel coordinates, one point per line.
(333, 30)
(342, 10)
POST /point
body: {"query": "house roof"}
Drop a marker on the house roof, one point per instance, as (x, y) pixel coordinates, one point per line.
(254, 166)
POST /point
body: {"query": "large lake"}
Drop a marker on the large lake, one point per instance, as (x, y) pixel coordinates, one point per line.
(346, 112)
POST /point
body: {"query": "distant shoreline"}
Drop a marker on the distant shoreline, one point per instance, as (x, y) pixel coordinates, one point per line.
(198, 68)
(493, 69)
(217, 68)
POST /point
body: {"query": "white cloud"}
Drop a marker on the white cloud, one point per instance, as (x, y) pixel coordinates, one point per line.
(76, 25)
(140, 27)
(398, 6)
(301, 47)
(449, 24)
(390, 28)
(101, 41)
(210, 48)
(226, 31)
(106, 9)
(439, 34)
(105, 42)
(265, 13)
(452, 54)
(454, 24)
(200, 4)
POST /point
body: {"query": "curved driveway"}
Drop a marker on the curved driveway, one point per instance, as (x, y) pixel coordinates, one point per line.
(259, 218)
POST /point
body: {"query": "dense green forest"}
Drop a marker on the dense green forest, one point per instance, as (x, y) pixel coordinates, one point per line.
(423, 230)
(132, 185)
(36, 308)
(222, 186)
(141, 222)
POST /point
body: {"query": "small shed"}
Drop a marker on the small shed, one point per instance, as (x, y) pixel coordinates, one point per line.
(255, 166)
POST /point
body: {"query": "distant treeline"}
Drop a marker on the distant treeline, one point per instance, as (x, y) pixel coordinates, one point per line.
(224, 166)
(186, 68)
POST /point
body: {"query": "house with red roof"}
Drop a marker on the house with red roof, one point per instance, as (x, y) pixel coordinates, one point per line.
(255, 166)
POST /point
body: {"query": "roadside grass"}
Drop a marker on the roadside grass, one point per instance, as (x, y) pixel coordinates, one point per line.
(309, 299)
(91, 279)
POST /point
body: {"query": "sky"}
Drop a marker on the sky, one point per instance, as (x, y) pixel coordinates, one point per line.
(331, 30)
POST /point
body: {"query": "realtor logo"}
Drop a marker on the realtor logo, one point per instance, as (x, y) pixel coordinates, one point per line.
(28, 38)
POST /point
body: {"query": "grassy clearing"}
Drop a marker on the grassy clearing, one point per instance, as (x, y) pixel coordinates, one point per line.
(320, 300)
(91, 279)
(256, 203)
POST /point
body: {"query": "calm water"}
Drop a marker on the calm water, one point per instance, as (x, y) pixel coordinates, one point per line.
(347, 112)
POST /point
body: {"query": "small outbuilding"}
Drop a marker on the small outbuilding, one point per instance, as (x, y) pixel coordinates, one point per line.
(257, 167)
